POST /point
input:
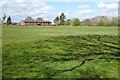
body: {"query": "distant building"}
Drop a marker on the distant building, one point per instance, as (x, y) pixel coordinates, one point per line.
(29, 21)
(34, 23)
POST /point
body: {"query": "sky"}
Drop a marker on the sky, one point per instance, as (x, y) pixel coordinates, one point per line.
(49, 9)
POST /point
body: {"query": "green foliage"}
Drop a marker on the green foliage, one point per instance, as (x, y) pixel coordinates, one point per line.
(62, 19)
(60, 52)
(75, 22)
(9, 20)
(56, 20)
(88, 23)
(113, 22)
(67, 22)
(101, 22)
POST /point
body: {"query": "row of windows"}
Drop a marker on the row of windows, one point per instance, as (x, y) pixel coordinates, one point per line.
(37, 22)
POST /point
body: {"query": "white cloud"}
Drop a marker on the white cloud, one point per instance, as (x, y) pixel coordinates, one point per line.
(67, 13)
(108, 9)
(112, 6)
(81, 12)
(20, 1)
(101, 5)
(79, 0)
(47, 8)
(38, 3)
(86, 6)
(2, 2)
(22, 8)
(34, 12)
(108, 5)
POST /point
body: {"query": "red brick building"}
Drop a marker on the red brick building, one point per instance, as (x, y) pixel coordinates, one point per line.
(34, 23)
(29, 21)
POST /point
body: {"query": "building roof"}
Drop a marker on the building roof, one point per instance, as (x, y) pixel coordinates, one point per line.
(35, 21)
(29, 18)
(39, 19)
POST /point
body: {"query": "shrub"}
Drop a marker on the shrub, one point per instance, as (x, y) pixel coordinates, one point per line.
(75, 22)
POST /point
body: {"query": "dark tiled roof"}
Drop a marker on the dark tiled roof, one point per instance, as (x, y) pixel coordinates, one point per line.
(29, 18)
(35, 21)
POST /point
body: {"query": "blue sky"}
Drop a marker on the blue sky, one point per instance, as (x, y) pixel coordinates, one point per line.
(49, 9)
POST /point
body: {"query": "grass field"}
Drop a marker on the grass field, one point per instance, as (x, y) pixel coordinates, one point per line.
(60, 52)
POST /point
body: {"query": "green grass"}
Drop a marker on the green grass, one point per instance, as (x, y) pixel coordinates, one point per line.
(60, 52)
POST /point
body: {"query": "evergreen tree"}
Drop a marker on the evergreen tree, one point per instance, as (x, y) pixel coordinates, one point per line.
(62, 19)
(4, 19)
(56, 20)
(9, 20)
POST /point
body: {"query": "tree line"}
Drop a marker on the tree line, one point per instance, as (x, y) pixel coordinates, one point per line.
(112, 22)
(61, 20)
(101, 21)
